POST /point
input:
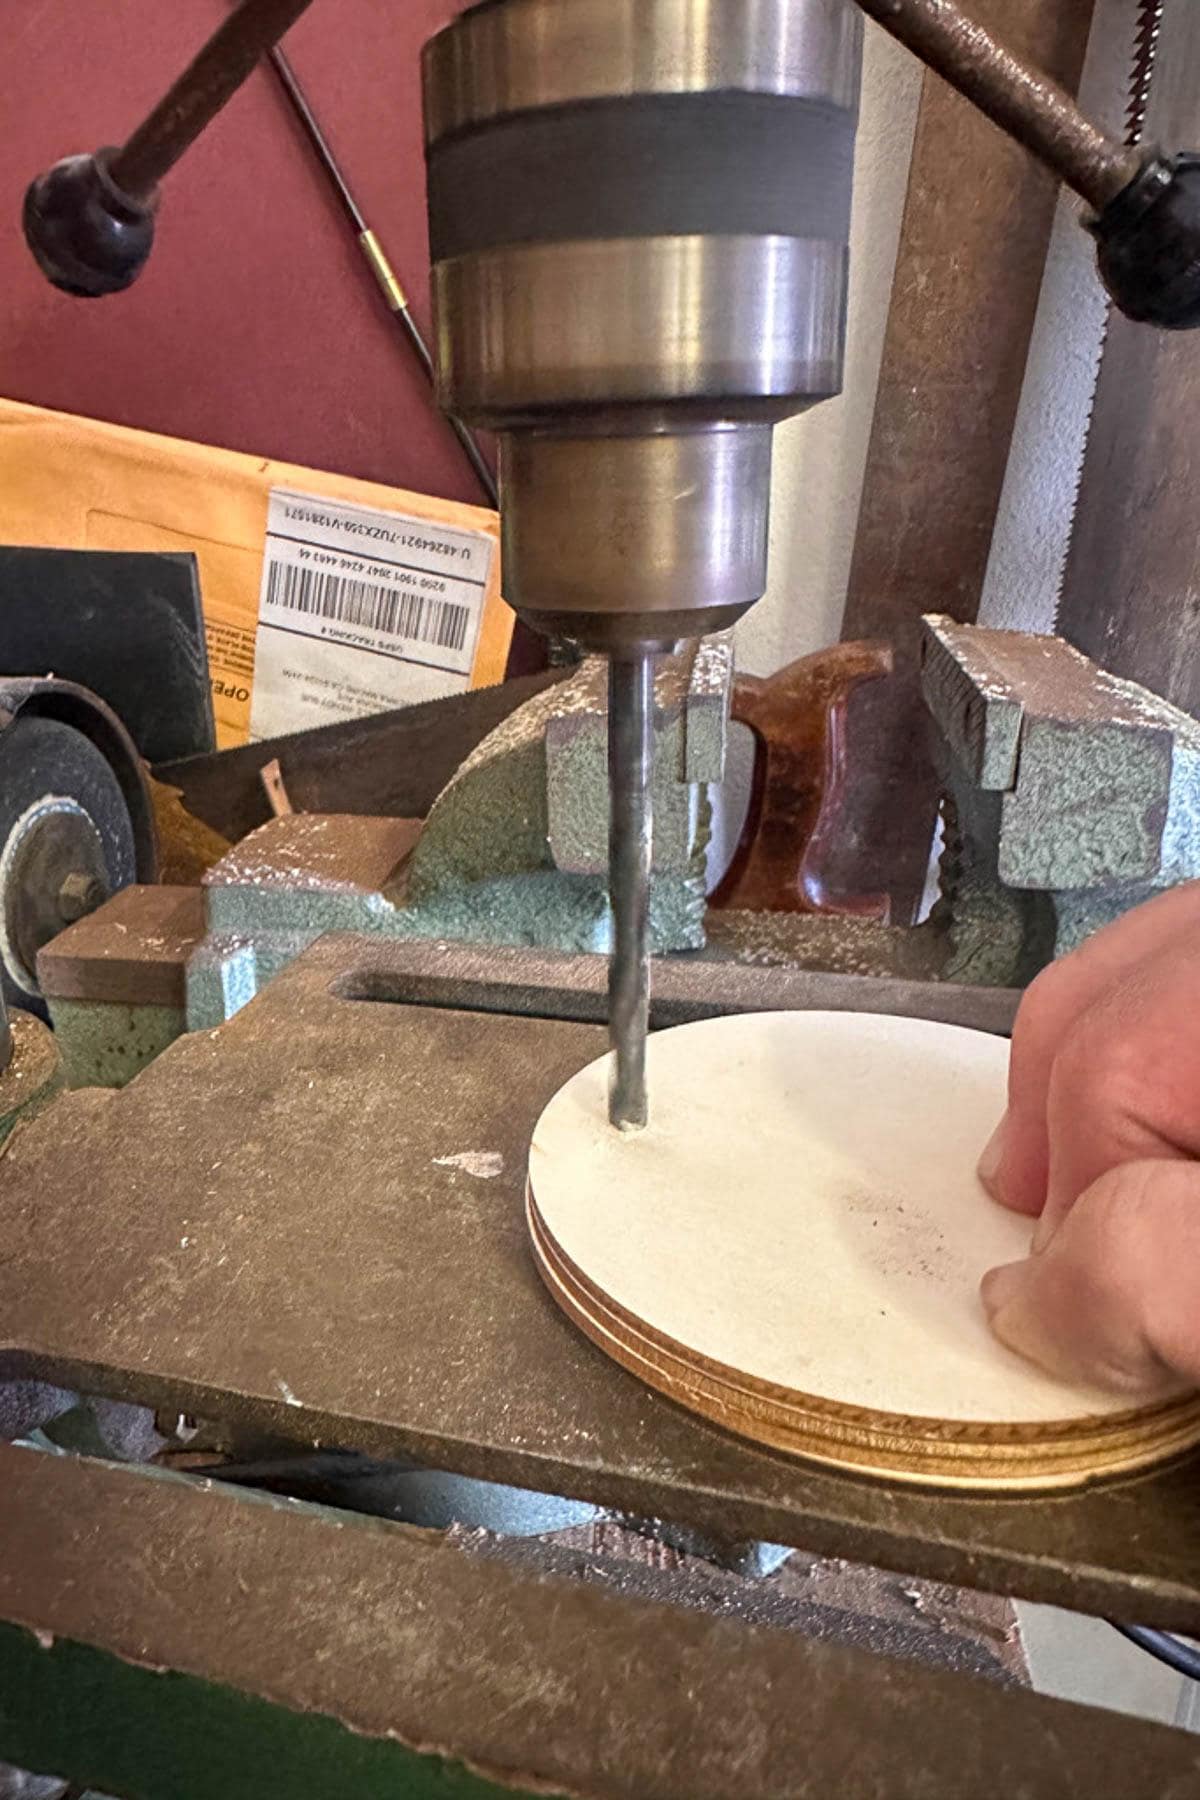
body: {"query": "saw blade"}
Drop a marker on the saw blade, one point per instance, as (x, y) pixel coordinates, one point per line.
(1036, 517)
(1129, 596)
(1149, 27)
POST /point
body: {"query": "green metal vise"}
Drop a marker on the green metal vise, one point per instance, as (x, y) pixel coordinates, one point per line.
(1071, 796)
(514, 851)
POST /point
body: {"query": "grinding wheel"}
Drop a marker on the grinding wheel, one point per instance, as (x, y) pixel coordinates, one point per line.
(794, 1245)
(67, 841)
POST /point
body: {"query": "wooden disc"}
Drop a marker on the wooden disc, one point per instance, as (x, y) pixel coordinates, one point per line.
(794, 1245)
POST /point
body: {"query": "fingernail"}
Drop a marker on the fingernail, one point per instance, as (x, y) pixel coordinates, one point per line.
(988, 1167)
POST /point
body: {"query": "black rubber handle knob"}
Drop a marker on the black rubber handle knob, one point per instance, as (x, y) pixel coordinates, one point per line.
(87, 236)
(1148, 244)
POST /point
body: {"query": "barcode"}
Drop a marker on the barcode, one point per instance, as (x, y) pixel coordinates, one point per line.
(351, 602)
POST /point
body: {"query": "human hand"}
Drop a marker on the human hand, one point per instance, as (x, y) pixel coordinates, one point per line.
(1101, 1141)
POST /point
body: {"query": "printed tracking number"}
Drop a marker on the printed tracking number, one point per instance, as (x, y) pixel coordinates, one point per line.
(349, 601)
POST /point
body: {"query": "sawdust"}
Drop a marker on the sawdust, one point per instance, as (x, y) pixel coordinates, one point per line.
(484, 1165)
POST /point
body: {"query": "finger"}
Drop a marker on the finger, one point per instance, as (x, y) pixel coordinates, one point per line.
(1015, 1164)
(1124, 1084)
(1114, 1299)
(1015, 1161)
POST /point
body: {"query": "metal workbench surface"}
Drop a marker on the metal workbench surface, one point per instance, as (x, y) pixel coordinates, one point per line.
(165, 1636)
(269, 1224)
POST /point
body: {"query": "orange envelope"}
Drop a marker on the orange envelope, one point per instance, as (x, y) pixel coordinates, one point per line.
(324, 597)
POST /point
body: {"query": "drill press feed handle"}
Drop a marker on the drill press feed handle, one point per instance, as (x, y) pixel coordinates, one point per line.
(1148, 244)
(86, 234)
(89, 221)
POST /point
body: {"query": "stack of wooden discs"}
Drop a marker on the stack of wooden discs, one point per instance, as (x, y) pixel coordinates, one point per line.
(793, 1248)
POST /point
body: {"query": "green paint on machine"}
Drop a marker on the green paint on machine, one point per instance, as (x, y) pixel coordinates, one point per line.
(71, 1710)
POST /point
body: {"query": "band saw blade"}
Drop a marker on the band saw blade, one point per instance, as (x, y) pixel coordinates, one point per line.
(1036, 518)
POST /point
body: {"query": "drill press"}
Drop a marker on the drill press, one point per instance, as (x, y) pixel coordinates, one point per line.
(639, 221)
(639, 217)
(639, 241)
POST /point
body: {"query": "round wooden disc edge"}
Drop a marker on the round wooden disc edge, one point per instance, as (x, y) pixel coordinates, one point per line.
(932, 1452)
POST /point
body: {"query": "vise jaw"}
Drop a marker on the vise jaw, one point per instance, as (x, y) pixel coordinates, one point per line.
(1072, 794)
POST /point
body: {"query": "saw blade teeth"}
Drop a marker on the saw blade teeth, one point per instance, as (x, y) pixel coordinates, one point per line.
(1144, 53)
(1145, 35)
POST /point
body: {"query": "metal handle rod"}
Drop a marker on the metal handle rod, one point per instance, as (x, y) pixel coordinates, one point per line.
(389, 282)
(1025, 104)
(630, 846)
(209, 80)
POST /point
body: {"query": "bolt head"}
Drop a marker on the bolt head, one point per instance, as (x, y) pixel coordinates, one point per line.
(79, 895)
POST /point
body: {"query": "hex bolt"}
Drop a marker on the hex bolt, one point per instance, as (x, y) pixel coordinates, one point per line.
(79, 895)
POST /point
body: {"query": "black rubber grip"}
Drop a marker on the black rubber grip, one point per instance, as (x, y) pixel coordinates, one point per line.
(656, 165)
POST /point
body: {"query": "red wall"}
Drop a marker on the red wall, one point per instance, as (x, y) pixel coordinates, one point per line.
(255, 325)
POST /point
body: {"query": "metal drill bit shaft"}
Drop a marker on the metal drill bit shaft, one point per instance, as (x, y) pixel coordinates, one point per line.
(630, 839)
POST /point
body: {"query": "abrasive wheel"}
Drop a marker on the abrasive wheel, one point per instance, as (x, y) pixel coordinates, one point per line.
(67, 842)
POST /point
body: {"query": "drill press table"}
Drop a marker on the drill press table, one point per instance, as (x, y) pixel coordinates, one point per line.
(269, 1226)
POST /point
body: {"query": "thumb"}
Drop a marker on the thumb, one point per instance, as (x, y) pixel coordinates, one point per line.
(1113, 1299)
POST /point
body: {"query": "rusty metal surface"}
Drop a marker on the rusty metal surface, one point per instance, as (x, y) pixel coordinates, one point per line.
(976, 228)
(525, 1677)
(1022, 100)
(32, 1074)
(133, 950)
(1131, 590)
(277, 1231)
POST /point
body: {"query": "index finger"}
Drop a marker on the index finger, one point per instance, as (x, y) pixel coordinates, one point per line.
(1016, 1163)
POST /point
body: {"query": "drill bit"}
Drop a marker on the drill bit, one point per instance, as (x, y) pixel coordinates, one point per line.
(630, 840)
